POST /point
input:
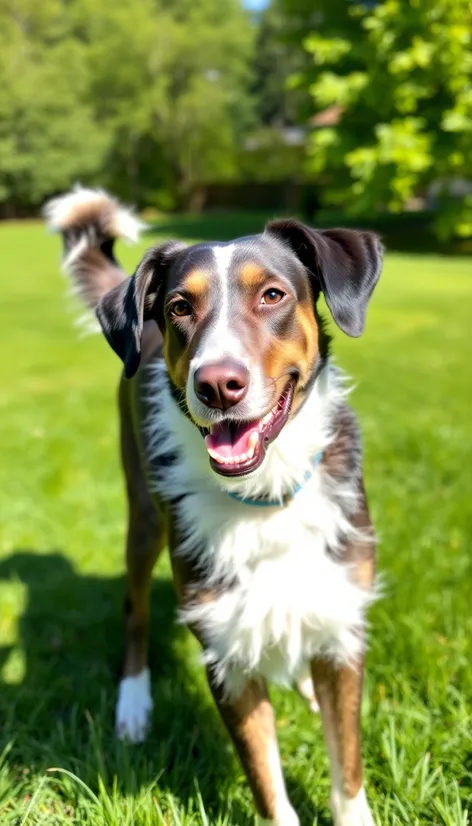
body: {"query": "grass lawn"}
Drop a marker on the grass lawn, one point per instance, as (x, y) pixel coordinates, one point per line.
(62, 572)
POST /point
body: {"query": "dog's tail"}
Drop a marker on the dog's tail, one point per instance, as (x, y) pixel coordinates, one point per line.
(90, 220)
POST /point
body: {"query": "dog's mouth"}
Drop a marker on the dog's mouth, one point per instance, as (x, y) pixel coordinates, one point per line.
(237, 448)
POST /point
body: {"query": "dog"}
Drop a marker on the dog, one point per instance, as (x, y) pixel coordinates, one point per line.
(241, 455)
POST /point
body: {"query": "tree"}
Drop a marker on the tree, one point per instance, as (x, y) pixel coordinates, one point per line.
(47, 135)
(275, 61)
(148, 97)
(401, 73)
(170, 81)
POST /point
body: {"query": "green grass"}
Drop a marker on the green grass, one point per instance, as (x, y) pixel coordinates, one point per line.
(62, 572)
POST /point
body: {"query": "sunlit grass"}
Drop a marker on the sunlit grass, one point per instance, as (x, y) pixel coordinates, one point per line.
(62, 584)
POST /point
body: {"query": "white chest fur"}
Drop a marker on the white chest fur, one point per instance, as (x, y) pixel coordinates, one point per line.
(285, 597)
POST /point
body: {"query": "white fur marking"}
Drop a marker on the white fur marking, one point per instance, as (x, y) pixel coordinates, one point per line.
(285, 815)
(353, 811)
(221, 337)
(134, 707)
(96, 214)
(60, 212)
(218, 342)
(307, 691)
(75, 253)
(221, 342)
(346, 811)
(287, 598)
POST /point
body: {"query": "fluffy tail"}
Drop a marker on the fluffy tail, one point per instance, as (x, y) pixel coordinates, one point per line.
(89, 221)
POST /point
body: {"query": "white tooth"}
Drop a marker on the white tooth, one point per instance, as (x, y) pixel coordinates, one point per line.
(250, 453)
(243, 457)
(253, 439)
(216, 456)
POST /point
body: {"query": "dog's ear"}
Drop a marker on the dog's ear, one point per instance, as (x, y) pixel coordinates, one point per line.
(346, 264)
(123, 310)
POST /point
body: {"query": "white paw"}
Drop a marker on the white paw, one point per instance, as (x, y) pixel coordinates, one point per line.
(134, 706)
(305, 687)
(353, 811)
(287, 817)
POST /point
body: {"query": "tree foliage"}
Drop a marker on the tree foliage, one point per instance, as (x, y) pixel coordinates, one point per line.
(402, 73)
(278, 103)
(146, 96)
(47, 131)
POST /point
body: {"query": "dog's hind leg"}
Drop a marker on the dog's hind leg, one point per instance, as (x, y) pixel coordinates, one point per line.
(146, 538)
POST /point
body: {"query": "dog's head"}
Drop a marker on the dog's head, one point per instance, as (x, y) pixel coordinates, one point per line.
(240, 326)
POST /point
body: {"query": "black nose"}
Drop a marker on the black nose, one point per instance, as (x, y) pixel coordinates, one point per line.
(221, 384)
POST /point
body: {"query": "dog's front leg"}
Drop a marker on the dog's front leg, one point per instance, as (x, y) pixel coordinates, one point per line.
(250, 721)
(338, 691)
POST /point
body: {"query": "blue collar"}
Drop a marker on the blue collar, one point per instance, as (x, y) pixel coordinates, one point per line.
(278, 503)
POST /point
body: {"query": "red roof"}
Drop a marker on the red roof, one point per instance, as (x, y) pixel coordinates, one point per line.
(328, 117)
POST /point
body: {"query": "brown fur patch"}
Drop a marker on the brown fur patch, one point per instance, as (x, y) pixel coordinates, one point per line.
(146, 532)
(308, 328)
(177, 356)
(196, 283)
(100, 210)
(177, 361)
(250, 722)
(364, 572)
(252, 275)
(299, 351)
(338, 691)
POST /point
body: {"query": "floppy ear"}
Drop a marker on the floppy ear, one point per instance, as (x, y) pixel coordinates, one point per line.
(123, 310)
(345, 262)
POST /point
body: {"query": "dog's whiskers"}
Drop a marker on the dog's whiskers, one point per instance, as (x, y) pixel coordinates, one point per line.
(273, 380)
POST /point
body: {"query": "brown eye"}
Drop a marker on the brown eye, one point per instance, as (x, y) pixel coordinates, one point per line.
(272, 296)
(180, 308)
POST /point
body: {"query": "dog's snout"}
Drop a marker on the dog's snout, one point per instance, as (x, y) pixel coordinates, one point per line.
(221, 384)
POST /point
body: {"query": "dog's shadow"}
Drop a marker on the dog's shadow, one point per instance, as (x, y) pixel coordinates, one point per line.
(58, 689)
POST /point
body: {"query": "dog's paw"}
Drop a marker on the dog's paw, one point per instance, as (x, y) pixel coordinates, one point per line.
(351, 811)
(287, 817)
(307, 691)
(134, 706)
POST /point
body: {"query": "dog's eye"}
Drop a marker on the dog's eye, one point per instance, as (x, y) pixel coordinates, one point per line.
(180, 308)
(272, 296)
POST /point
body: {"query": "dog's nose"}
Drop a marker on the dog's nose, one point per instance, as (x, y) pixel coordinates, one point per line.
(221, 384)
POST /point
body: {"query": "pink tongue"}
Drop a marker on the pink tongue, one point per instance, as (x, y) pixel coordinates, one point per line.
(230, 442)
